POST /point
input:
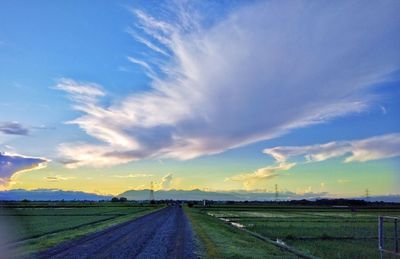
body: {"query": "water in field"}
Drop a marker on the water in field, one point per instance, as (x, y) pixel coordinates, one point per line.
(325, 233)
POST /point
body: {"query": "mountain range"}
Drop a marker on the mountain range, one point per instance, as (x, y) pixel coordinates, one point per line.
(196, 194)
(49, 195)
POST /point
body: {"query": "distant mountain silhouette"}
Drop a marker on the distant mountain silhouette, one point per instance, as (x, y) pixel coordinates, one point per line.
(196, 194)
(384, 198)
(49, 195)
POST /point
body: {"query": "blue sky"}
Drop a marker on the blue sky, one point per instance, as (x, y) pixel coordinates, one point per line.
(198, 90)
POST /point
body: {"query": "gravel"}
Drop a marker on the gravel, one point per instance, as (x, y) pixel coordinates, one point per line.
(162, 234)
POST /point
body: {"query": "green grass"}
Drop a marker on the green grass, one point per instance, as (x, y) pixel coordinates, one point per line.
(38, 227)
(322, 232)
(223, 241)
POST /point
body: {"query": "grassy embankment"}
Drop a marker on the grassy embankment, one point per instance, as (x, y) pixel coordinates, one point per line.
(38, 226)
(222, 241)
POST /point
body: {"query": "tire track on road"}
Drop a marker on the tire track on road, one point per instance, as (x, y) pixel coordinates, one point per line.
(165, 233)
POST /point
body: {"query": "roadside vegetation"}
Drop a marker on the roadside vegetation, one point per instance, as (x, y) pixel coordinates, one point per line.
(223, 241)
(37, 226)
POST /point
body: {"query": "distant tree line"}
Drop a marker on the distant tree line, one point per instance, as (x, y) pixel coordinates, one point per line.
(120, 199)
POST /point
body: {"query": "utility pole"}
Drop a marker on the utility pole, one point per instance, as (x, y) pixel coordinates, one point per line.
(151, 198)
(367, 194)
(276, 192)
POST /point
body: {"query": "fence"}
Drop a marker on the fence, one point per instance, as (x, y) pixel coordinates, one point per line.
(391, 250)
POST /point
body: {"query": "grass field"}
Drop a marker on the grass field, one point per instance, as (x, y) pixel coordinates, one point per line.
(317, 231)
(36, 226)
(322, 232)
(222, 241)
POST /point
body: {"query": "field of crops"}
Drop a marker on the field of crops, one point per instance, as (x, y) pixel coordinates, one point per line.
(39, 225)
(322, 232)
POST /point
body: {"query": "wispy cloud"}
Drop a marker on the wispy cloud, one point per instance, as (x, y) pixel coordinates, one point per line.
(13, 128)
(343, 181)
(262, 173)
(81, 92)
(149, 70)
(378, 147)
(148, 43)
(132, 176)
(11, 164)
(249, 180)
(58, 178)
(262, 71)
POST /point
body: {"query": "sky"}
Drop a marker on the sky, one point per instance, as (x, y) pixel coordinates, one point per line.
(108, 96)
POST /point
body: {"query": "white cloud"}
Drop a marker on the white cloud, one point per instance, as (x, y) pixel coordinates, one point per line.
(166, 182)
(146, 42)
(82, 154)
(264, 70)
(133, 176)
(262, 173)
(249, 180)
(81, 92)
(373, 148)
(379, 147)
(58, 178)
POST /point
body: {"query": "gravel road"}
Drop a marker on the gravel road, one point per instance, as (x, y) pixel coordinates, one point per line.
(162, 234)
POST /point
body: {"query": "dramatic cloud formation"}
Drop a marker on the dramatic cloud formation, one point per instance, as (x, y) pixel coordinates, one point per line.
(379, 147)
(11, 164)
(262, 71)
(13, 128)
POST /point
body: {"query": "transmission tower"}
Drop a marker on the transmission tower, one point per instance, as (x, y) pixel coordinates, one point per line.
(151, 198)
(276, 192)
(367, 194)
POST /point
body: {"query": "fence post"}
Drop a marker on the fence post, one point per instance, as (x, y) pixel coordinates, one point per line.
(380, 232)
(396, 243)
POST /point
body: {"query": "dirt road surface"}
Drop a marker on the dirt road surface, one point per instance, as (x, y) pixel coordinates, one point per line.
(162, 234)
